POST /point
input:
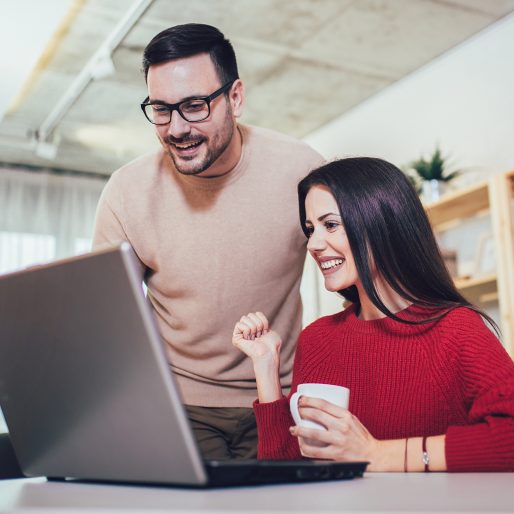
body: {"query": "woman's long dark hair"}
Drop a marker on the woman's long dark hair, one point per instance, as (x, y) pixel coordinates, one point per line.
(388, 228)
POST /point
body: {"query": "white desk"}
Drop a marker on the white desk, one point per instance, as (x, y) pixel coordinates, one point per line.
(387, 492)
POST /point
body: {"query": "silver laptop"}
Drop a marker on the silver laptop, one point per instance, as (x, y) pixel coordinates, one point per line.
(87, 392)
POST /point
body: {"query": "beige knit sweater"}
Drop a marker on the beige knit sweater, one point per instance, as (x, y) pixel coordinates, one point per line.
(213, 249)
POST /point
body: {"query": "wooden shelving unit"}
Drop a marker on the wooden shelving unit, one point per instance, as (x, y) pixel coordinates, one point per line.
(479, 290)
(496, 196)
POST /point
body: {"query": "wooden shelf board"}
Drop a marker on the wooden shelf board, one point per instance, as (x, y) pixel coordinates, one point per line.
(459, 204)
(489, 297)
(476, 287)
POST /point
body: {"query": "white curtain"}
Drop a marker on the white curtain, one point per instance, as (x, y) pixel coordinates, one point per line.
(44, 216)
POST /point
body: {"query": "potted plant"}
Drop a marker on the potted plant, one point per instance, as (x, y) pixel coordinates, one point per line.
(433, 175)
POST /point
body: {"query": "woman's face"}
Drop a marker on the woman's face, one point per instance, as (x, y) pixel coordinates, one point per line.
(328, 243)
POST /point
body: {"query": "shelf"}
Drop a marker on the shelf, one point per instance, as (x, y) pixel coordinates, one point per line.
(458, 205)
(496, 196)
(477, 289)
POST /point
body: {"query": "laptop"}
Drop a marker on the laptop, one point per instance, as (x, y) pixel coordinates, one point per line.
(86, 389)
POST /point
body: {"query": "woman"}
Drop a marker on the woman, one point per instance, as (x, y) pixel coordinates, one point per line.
(431, 387)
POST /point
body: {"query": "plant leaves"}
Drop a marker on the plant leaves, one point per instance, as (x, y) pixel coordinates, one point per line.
(433, 169)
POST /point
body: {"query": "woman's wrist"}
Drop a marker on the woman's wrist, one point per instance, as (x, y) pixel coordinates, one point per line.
(429, 456)
(408, 454)
(267, 360)
(387, 455)
(267, 378)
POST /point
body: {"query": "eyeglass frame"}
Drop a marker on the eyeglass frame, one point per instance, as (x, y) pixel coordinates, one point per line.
(176, 107)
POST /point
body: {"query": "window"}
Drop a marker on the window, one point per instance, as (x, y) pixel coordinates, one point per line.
(44, 216)
(19, 250)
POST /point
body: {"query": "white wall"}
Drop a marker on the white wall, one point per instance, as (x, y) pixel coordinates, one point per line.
(463, 101)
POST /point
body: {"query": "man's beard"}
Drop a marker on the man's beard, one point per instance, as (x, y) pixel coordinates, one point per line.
(215, 146)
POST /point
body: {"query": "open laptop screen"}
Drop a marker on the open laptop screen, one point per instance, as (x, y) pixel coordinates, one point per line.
(87, 391)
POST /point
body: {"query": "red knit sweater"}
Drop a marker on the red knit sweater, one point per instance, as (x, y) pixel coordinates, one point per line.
(448, 377)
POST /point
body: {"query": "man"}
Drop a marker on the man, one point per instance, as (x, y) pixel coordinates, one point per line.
(197, 213)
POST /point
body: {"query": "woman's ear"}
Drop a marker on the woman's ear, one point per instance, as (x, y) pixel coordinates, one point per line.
(237, 97)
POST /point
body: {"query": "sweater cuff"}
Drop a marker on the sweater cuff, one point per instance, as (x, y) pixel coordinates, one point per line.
(273, 422)
(479, 448)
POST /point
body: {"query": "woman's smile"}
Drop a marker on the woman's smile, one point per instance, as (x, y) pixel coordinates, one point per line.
(329, 265)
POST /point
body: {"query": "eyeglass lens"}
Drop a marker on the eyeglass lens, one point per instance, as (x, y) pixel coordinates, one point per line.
(191, 110)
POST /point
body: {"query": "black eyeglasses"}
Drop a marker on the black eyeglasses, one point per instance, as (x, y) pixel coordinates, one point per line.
(192, 110)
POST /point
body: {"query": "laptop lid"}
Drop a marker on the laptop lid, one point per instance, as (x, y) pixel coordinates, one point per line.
(85, 386)
(86, 389)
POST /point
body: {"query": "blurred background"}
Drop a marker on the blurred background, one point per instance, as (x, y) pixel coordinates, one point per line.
(72, 84)
(389, 78)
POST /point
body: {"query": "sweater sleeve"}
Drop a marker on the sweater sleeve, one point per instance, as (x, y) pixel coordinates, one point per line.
(108, 224)
(486, 374)
(274, 440)
(274, 419)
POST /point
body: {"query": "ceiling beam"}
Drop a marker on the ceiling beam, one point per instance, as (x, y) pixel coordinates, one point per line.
(100, 60)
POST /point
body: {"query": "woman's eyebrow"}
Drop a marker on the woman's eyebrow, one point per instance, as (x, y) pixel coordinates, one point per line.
(323, 216)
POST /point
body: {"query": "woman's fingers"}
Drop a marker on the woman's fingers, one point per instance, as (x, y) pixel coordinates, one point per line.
(345, 437)
(323, 418)
(243, 329)
(314, 443)
(258, 325)
(255, 325)
(322, 444)
(253, 336)
(264, 321)
(332, 417)
(249, 329)
(312, 434)
(313, 451)
(324, 406)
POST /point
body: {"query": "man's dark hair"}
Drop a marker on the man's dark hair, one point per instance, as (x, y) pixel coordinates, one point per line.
(387, 229)
(191, 39)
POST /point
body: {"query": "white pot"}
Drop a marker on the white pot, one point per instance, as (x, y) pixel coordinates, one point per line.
(432, 190)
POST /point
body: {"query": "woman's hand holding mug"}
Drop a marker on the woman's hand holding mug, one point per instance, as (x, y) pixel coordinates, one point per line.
(342, 436)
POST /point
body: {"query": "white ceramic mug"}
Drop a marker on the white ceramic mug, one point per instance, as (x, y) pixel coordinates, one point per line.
(337, 395)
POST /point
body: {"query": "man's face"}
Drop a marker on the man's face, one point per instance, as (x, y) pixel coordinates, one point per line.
(205, 147)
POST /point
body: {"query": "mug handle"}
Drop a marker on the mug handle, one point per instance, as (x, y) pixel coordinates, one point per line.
(293, 405)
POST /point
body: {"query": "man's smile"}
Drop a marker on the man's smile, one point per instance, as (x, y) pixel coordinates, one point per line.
(185, 148)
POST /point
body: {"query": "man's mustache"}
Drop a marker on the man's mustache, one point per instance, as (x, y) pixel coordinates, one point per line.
(182, 140)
